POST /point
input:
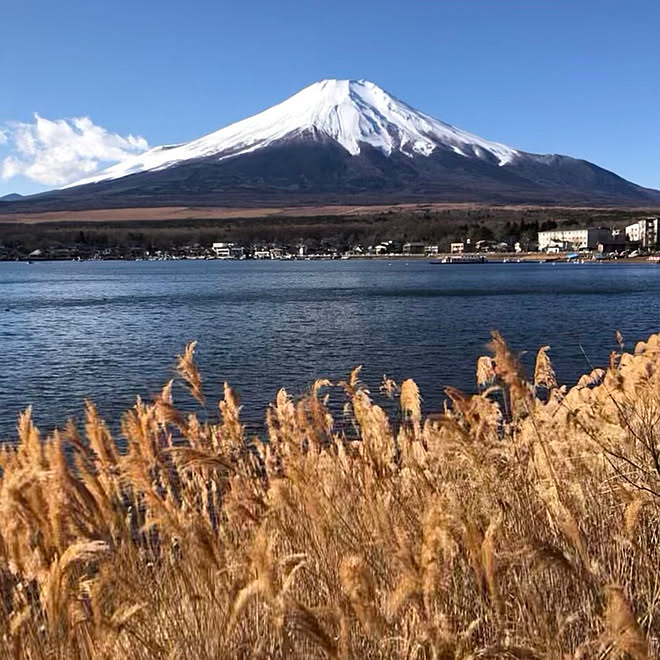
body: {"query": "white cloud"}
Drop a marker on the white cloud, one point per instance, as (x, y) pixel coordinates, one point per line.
(57, 152)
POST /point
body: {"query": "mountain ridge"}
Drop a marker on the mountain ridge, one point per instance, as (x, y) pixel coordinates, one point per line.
(342, 141)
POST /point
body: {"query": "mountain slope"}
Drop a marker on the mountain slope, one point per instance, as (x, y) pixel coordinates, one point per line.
(351, 113)
(340, 141)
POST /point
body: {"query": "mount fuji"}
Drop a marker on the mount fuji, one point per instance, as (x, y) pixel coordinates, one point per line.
(338, 142)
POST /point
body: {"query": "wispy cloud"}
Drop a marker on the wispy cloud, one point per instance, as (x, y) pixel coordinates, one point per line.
(60, 151)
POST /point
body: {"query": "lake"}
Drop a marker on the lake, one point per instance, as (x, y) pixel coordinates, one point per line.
(110, 330)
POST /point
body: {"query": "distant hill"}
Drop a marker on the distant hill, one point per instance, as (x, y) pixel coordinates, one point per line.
(342, 142)
(11, 197)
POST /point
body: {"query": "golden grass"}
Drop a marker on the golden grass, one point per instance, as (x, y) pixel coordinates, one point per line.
(526, 529)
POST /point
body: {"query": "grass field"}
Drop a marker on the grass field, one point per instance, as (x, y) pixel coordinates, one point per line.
(522, 522)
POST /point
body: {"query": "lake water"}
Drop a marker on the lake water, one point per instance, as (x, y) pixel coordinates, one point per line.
(110, 330)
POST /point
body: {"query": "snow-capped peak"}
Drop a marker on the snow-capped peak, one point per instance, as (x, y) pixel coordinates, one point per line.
(351, 112)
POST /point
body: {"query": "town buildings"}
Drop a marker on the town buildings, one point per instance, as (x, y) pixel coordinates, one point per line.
(563, 240)
(414, 248)
(228, 251)
(644, 232)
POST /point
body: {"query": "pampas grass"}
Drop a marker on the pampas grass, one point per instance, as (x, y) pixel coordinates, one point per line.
(511, 525)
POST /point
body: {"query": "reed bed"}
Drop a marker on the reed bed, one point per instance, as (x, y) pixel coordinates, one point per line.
(521, 522)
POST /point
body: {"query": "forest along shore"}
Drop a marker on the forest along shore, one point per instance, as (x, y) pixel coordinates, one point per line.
(325, 230)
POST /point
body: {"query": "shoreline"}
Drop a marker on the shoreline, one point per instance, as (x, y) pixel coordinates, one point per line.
(502, 258)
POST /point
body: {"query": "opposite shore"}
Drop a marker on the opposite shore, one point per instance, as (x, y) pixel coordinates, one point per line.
(444, 258)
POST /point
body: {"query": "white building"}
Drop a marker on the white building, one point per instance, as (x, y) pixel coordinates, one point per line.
(228, 251)
(222, 250)
(277, 253)
(574, 239)
(644, 231)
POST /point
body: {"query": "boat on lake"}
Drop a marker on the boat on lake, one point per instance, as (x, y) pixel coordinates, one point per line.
(461, 259)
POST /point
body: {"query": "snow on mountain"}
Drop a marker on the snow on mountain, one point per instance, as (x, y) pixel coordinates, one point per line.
(350, 112)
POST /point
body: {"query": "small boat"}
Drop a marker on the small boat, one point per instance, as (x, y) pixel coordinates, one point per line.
(461, 259)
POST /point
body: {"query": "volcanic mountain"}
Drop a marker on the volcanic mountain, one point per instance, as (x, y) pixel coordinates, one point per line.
(339, 142)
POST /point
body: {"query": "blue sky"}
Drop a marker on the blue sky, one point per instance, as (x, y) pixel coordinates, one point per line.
(577, 77)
